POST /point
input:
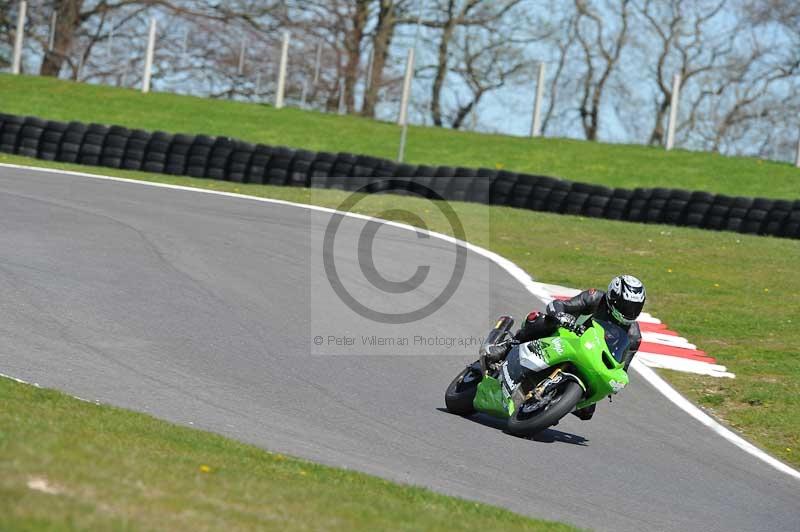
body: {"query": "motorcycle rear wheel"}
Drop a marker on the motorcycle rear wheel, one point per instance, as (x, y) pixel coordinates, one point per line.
(461, 392)
(524, 424)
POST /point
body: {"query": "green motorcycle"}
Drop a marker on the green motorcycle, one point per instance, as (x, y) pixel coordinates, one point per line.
(539, 382)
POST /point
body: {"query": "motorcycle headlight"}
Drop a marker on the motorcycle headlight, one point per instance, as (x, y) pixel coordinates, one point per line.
(616, 386)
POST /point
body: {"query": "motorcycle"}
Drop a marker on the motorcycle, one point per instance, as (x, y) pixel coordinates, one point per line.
(539, 382)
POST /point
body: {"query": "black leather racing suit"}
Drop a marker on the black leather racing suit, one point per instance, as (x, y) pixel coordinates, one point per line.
(588, 303)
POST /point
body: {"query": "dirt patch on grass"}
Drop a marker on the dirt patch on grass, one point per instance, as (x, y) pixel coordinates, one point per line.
(43, 485)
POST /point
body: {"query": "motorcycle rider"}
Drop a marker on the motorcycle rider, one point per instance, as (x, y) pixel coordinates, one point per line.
(621, 304)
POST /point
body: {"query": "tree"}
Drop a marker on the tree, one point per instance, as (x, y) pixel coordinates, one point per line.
(69, 19)
(346, 27)
(785, 13)
(342, 25)
(746, 102)
(485, 59)
(389, 14)
(447, 18)
(748, 105)
(601, 39)
(561, 43)
(687, 44)
(352, 44)
(89, 22)
(6, 29)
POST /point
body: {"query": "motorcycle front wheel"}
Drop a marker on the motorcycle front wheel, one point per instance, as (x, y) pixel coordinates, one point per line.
(531, 418)
(461, 392)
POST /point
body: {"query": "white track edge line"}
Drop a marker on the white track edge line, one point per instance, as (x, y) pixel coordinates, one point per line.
(662, 386)
(36, 385)
(512, 269)
(3, 375)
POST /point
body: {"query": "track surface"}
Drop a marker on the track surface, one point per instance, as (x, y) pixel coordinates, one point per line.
(193, 308)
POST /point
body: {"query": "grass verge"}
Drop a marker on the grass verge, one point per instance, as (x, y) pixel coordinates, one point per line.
(736, 296)
(609, 164)
(69, 464)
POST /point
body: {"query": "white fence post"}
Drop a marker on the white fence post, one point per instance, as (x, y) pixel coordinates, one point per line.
(282, 72)
(148, 60)
(368, 83)
(17, 63)
(402, 120)
(673, 111)
(185, 45)
(110, 43)
(51, 39)
(304, 94)
(342, 108)
(317, 63)
(536, 124)
(242, 53)
(797, 156)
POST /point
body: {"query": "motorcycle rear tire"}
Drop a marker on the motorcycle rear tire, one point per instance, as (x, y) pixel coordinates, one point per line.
(459, 395)
(570, 396)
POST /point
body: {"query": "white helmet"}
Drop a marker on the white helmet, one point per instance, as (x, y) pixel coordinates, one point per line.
(625, 298)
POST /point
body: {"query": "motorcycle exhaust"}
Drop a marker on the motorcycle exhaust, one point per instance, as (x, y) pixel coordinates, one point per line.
(504, 323)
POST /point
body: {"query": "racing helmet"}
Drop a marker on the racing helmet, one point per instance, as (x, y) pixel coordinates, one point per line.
(625, 298)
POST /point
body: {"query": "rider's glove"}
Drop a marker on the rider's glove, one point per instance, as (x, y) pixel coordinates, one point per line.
(566, 320)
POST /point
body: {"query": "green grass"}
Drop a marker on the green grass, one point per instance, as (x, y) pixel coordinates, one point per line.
(111, 469)
(608, 164)
(736, 296)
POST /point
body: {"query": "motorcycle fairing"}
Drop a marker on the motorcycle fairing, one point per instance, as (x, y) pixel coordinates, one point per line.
(491, 399)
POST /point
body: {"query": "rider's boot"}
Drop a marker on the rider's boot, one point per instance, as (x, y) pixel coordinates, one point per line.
(586, 413)
(497, 352)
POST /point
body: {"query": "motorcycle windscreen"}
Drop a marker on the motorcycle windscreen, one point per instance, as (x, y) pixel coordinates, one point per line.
(616, 338)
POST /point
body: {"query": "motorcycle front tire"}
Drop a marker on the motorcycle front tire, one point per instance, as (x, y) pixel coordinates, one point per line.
(520, 425)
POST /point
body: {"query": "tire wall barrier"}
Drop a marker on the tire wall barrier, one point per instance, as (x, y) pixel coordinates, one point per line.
(242, 162)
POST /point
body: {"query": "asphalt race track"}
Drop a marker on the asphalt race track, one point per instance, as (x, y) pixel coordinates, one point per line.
(202, 309)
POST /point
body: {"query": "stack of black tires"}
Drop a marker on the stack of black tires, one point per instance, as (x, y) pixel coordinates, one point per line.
(242, 162)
